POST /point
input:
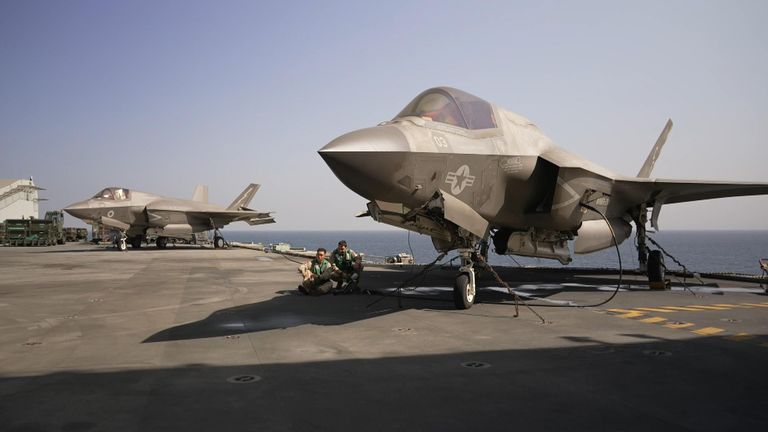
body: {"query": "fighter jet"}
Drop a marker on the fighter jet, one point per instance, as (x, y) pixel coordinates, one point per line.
(137, 215)
(467, 173)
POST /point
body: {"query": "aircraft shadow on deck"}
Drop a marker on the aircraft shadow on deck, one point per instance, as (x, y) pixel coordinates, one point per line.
(289, 309)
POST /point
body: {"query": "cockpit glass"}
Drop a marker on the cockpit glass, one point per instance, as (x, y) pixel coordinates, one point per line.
(105, 194)
(118, 194)
(453, 107)
(439, 108)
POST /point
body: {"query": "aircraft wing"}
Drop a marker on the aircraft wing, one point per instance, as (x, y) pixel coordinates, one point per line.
(656, 192)
(225, 217)
(677, 191)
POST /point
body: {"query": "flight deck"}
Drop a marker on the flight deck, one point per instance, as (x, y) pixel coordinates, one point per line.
(218, 339)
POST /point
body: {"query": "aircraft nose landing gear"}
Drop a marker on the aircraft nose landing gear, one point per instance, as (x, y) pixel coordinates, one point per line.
(464, 289)
(121, 241)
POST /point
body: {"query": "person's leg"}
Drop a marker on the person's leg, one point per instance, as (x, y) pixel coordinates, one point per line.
(305, 287)
(323, 288)
(337, 277)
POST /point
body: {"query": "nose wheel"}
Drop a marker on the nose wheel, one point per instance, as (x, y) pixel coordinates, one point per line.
(121, 241)
(464, 289)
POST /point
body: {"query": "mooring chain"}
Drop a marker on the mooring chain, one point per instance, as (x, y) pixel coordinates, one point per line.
(423, 271)
(681, 265)
(402, 285)
(510, 290)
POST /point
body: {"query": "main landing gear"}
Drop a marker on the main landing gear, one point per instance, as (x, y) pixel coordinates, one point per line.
(218, 239)
(136, 241)
(656, 269)
(161, 242)
(651, 261)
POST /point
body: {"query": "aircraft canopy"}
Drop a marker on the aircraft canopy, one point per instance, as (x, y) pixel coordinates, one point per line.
(453, 107)
(115, 194)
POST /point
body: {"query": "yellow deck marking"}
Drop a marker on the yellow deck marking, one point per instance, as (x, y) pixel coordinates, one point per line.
(708, 307)
(741, 337)
(631, 315)
(733, 306)
(656, 310)
(680, 308)
(680, 325)
(756, 304)
(653, 320)
(626, 313)
(706, 331)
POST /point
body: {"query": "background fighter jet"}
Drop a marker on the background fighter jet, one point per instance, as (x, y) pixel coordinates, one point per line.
(138, 214)
(464, 171)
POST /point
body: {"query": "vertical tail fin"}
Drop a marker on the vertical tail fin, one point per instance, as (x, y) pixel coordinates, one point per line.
(645, 171)
(245, 197)
(201, 194)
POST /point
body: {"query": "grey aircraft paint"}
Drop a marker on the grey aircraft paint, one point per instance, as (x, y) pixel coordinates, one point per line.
(465, 171)
(138, 214)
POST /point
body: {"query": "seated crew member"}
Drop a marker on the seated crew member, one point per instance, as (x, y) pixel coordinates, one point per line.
(347, 265)
(317, 275)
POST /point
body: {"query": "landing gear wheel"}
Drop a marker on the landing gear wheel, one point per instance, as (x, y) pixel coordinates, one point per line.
(218, 242)
(122, 245)
(463, 292)
(656, 267)
(136, 242)
(161, 242)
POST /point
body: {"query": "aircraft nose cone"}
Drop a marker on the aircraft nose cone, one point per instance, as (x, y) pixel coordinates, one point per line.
(79, 210)
(367, 160)
(375, 139)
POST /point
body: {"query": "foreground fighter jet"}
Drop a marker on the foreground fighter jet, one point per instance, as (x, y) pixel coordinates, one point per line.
(138, 214)
(464, 171)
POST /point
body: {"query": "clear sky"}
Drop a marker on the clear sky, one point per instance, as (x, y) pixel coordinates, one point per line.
(162, 95)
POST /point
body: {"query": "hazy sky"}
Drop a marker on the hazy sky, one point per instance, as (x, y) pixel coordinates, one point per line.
(162, 95)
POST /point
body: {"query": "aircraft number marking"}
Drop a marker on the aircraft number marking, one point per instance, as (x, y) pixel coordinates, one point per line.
(460, 179)
(440, 141)
(512, 165)
(110, 213)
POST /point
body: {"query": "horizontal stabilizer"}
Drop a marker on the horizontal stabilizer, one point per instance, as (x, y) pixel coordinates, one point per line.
(260, 221)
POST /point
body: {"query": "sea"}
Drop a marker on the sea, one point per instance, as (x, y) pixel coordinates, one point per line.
(731, 251)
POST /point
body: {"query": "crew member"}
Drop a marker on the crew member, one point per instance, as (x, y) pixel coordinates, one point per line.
(347, 266)
(317, 275)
